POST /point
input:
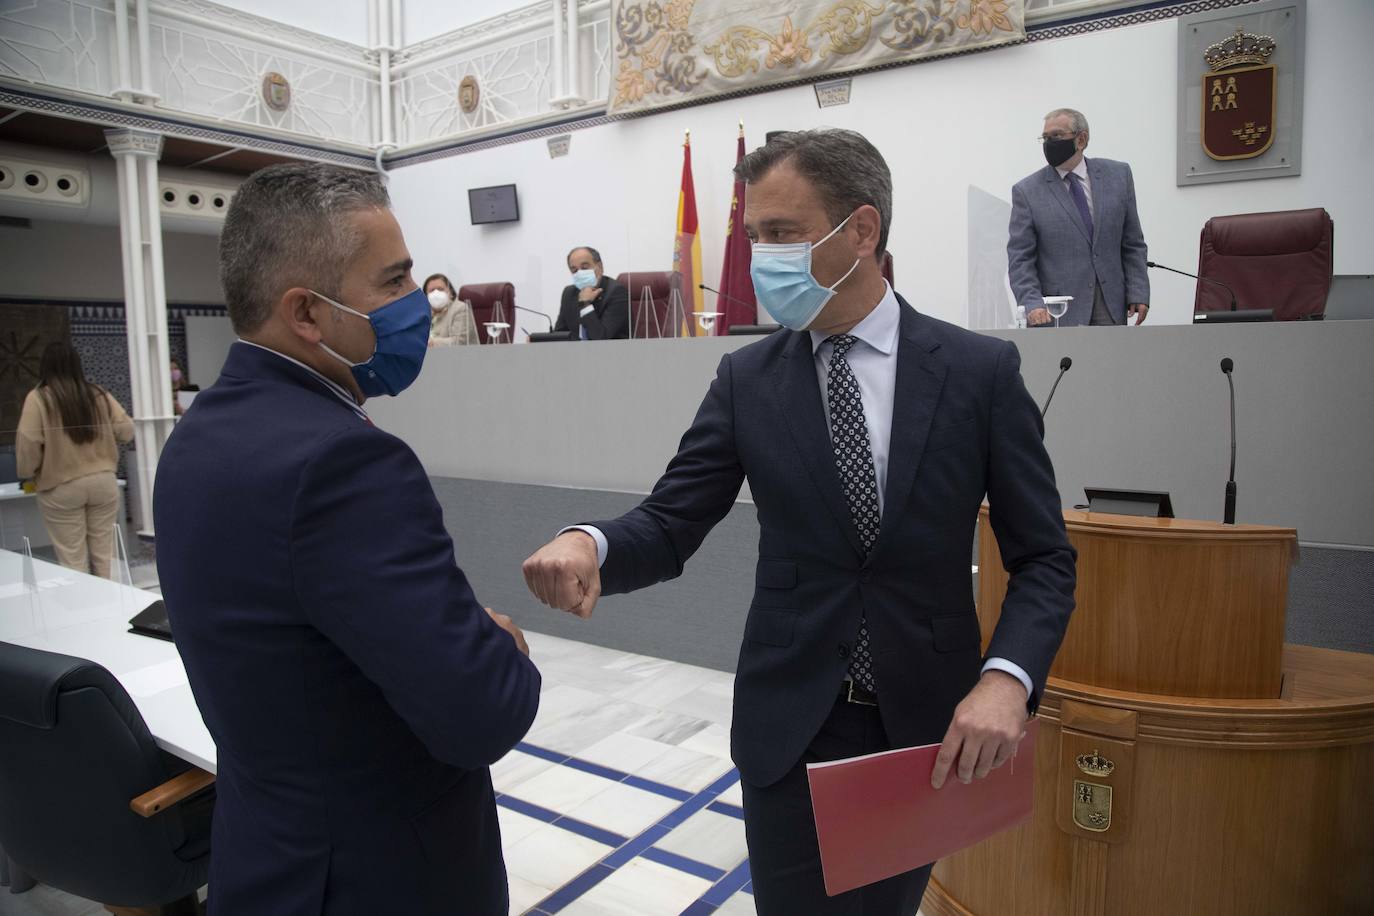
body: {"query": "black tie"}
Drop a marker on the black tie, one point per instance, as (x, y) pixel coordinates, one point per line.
(854, 458)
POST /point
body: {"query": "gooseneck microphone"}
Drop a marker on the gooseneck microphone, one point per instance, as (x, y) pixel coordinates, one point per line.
(1196, 277)
(749, 305)
(1229, 513)
(547, 319)
(1064, 365)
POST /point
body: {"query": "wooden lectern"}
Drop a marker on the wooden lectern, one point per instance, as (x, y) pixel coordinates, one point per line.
(1189, 761)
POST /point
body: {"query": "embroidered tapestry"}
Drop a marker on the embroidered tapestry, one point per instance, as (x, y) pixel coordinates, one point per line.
(672, 51)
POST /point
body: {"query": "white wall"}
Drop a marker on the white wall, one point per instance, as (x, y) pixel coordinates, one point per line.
(943, 126)
(342, 19)
(81, 261)
(423, 19)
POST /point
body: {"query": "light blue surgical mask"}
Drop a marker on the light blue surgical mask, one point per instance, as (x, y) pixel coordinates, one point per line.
(584, 278)
(783, 283)
(402, 331)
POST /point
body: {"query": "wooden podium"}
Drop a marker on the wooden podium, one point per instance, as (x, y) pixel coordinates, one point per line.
(1189, 761)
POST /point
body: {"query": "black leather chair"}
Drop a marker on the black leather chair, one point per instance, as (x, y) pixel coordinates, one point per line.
(88, 803)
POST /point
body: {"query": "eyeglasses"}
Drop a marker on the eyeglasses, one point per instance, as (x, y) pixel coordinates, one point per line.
(1045, 138)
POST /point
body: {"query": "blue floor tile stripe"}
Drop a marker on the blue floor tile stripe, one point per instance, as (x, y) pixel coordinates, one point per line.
(684, 864)
(639, 845)
(737, 880)
(727, 809)
(571, 824)
(605, 772)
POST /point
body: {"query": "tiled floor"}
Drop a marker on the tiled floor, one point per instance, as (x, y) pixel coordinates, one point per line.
(621, 800)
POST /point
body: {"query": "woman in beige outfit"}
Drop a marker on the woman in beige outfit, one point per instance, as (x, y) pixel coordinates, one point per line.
(66, 442)
(450, 320)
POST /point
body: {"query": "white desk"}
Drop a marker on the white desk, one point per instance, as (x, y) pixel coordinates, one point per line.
(87, 617)
(20, 516)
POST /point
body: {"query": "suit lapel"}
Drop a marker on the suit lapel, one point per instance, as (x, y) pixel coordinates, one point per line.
(1060, 192)
(800, 396)
(921, 374)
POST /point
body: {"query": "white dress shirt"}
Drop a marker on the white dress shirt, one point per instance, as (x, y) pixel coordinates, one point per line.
(873, 359)
(1081, 170)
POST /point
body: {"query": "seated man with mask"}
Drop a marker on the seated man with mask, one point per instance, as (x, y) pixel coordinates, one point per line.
(594, 306)
(355, 688)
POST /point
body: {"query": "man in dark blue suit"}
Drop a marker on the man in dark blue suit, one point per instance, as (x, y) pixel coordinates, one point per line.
(355, 688)
(869, 435)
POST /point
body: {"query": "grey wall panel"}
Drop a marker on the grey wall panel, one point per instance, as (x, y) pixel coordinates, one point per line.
(699, 617)
(1142, 407)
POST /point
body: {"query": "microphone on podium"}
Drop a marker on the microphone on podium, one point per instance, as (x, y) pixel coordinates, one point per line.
(521, 308)
(749, 305)
(1229, 512)
(1185, 273)
(1064, 365)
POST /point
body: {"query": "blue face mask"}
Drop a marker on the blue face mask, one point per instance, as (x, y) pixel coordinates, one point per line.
(584, 278)
(783, 283)
(402, 331)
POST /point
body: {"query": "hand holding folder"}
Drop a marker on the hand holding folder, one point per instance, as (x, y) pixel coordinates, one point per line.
(878, 816)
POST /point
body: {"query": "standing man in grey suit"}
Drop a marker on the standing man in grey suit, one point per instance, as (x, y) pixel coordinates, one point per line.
(1075, 232)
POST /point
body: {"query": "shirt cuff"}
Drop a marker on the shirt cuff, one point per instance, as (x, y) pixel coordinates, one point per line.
(1015, 670)
(602, 547)
(587, 310)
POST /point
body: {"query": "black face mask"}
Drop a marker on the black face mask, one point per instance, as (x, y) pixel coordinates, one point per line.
(1058, 152)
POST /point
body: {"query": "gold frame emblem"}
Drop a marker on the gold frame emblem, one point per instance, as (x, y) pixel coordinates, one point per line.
(1092, 806)
(469, 94)
(276, 91)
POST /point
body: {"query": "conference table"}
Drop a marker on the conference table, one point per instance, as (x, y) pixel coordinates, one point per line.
(59, 610)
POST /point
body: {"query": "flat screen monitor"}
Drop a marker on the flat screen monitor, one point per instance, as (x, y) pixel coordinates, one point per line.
(1147, 503)
(497, 204)
(1223, 316)
(1351, 296)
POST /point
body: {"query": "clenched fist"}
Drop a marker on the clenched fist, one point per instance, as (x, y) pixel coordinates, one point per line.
(563, 574)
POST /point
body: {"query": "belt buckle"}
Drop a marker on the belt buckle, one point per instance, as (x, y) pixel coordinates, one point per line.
(853, 698)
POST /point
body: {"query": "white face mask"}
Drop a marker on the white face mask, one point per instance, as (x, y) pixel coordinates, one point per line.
(438, 299)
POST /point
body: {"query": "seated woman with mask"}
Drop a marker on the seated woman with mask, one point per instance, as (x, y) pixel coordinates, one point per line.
(594, 307)
(451, 322)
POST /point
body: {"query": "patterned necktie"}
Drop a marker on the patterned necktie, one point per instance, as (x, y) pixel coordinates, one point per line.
(854, 458)
(1081, 200)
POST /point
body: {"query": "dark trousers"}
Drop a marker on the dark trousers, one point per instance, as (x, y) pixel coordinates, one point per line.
(784, 858)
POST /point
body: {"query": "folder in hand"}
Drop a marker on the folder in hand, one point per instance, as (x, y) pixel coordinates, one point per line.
(877, 815)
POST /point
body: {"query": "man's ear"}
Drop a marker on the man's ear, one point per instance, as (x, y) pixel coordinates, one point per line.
(868, 225)
(300, 311)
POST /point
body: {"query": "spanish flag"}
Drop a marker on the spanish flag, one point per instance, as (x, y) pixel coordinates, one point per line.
(687, 252)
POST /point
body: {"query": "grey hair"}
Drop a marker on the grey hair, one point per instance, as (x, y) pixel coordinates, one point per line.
(845, 169)
(287, 227)
(1077, 121)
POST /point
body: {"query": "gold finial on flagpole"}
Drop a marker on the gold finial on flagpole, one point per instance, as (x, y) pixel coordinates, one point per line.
(687, 136)
(741, 128)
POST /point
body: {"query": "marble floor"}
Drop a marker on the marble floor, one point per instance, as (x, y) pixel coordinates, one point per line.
(621, 800)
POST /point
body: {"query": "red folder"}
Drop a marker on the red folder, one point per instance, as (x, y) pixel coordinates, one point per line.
(877, 816)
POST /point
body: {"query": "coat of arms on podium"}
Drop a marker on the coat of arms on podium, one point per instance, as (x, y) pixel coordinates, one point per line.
(1238, 97)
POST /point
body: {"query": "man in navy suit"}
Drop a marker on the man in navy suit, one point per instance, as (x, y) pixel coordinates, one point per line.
(869, 435)
(1075, 232)
(355, 688)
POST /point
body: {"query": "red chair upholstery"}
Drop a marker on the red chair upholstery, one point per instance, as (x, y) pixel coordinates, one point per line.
(1280, 261)
(491, 302)
(649, 319)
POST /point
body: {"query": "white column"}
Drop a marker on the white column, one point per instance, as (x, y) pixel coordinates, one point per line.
(123, 60)
(556, 45)
(574, 56)
(145, 307)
